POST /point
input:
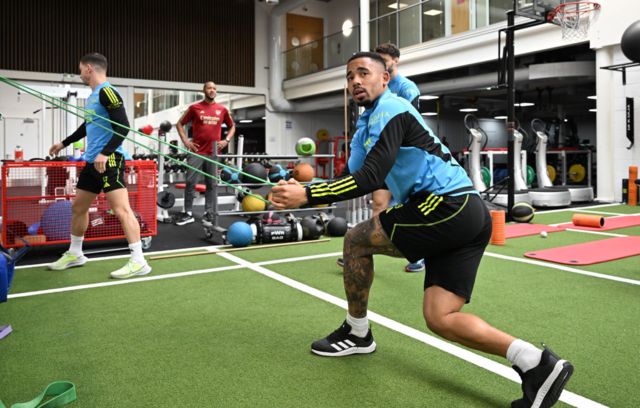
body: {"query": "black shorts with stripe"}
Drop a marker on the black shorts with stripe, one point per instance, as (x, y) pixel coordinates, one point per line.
(449, 232)
(111, 179)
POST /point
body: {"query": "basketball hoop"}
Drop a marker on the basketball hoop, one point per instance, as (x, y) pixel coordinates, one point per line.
(575, 18)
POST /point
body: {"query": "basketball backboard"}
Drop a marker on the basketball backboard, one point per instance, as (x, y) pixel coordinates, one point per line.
(536, 9)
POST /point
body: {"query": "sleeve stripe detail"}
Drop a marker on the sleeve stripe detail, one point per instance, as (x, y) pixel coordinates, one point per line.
(323, 186)
(346, 189)
(111, 95)
(339, 187)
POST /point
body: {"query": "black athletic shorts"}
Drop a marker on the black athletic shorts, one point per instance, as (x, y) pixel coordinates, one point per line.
(450, 233)
(111, 179)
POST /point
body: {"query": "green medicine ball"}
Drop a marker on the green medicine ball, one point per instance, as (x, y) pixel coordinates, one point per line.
(305, 147)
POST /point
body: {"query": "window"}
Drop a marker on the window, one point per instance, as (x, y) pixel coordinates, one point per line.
(409, 25)
(164, 100)
(387, 29)
(432, 20)
(191, 97)
(409, 22)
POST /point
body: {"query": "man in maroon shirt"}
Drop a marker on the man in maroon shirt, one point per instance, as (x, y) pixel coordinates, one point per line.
(206, 118)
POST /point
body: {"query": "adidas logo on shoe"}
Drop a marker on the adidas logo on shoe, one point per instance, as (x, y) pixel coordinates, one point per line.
(342, 343)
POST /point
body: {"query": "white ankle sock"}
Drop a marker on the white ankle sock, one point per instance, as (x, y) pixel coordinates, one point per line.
(523, 355)
(136, 253)
(75, 248)
(359, 327)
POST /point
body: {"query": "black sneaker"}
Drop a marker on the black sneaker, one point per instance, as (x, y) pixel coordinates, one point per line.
(342, 343)
(542, 385)
(207, 219)
(340, 262)
(184, 219)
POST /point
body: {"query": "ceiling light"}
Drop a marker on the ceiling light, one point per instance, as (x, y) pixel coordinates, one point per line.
(592, 97)
(433, 12)
(524, 104)
(593, 110)
(347, 27)
(429, 113)
(246, 121)
(264, 118)
(428, 97)
(469, 110)
(501, 117)
(395, 6)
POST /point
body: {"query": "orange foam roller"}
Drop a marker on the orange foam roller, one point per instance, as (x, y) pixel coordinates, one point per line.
(585, 220)
(498, 236)
(633, 188)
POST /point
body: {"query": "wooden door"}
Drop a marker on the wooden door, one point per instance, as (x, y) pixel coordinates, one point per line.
(304, 59)
(459, 16)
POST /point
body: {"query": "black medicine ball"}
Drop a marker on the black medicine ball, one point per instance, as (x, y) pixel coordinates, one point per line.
(522, 212)
(337, 227)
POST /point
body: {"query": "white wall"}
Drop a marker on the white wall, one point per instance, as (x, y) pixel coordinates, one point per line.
(262, 45)
(49, 125)
(338, 12)
(284, 129)
(615, 17)
(613, 156)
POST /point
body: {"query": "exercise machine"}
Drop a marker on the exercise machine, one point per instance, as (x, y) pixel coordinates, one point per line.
(577, 194)
(496, 194)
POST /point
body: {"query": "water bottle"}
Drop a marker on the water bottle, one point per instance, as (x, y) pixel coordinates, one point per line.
(18, 154)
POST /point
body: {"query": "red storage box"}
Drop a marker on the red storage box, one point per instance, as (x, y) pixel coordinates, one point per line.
(37, 196)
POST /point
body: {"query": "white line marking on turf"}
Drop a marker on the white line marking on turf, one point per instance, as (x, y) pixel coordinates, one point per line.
(610, 234)
(165, 276)
(591, 207)
(599, 212)
(300, 258)
(478, 360)
(123, 282)
(564, 268)
(210, 248)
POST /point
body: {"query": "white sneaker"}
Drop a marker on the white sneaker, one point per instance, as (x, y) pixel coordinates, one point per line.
(131, 269)
(67, 261)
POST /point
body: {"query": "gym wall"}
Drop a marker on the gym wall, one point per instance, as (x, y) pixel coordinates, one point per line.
(157, 40)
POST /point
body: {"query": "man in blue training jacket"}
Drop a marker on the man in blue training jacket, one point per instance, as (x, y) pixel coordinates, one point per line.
(440, 217)
(104, 170)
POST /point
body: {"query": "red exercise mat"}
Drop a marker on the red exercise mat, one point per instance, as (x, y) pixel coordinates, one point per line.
(590, 252)
(523, 230)
(610, 223)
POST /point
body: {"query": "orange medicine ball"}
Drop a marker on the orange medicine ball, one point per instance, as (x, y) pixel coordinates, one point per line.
(303, 172)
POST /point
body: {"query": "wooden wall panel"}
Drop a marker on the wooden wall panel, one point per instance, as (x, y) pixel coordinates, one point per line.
(188, 41)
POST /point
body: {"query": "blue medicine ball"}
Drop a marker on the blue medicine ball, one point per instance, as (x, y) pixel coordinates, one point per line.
(230, 176)
(277, 173)
(56, 221)
(239, 234)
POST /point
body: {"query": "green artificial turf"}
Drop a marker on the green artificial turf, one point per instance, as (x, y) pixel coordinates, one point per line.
(228, 339)
(236, 338)
(40, 278)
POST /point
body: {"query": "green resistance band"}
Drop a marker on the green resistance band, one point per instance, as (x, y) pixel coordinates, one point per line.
(87, 114)
(61, 393)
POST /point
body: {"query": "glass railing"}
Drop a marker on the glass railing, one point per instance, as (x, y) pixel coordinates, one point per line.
(410, 22)
(331, 51)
